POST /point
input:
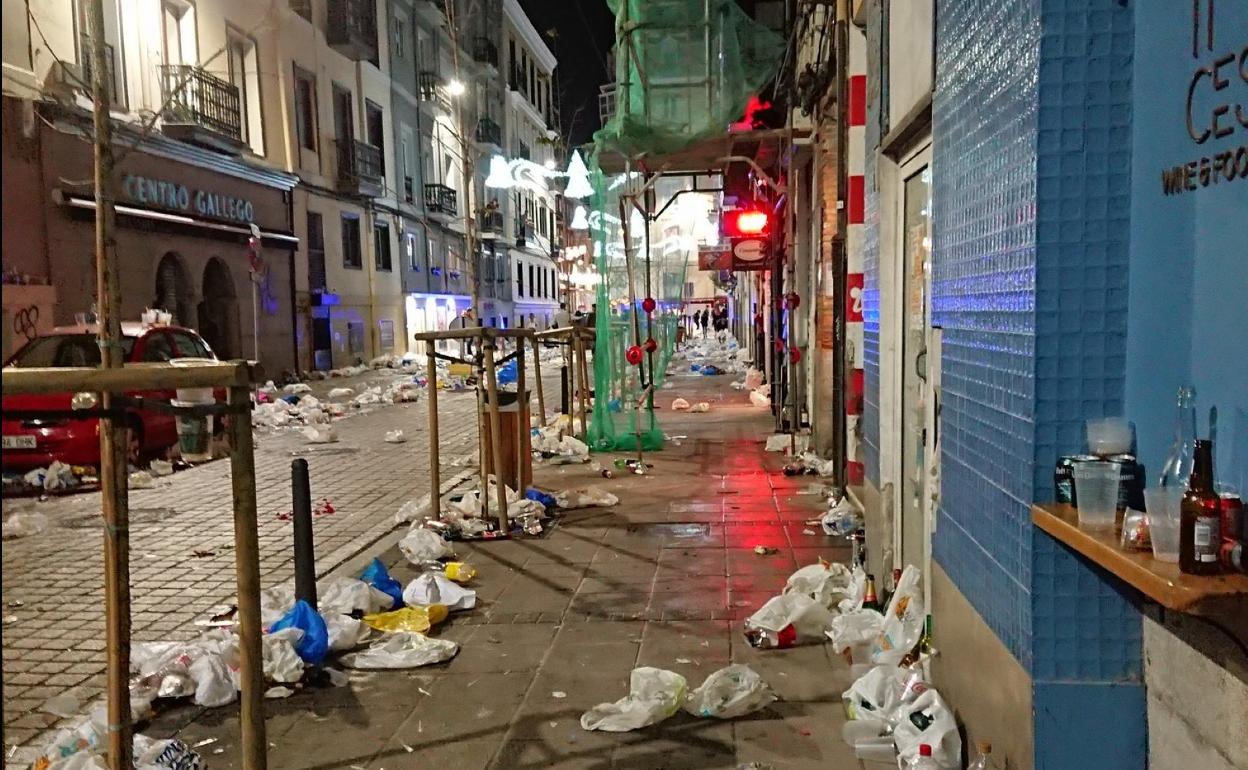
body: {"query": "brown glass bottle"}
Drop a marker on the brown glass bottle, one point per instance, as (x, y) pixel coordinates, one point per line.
(1199, 523)
(870, 601)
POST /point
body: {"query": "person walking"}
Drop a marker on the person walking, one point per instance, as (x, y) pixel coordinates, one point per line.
(563, 318)
(704, 321)
(465, 321)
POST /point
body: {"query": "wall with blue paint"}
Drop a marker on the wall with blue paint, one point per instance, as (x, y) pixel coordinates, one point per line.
(872, 134)
(1189, 255)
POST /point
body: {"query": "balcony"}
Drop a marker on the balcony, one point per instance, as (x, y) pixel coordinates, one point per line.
(606, 102)
(409, 189)
(429, 90)
(490, 224)
(86, 56)
(489, 132)
(361, 170)
(200, 108)
(484, 51)
(352, 29)
(440, 200)
(524, 232)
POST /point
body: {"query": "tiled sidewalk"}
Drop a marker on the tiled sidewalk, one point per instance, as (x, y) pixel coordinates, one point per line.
(663, 579)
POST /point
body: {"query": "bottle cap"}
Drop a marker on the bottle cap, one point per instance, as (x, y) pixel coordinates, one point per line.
(985, 747)
(925, 750)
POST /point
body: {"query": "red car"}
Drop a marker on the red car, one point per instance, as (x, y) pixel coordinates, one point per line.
(35, 443)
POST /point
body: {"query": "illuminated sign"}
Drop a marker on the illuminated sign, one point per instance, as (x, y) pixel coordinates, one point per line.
(172, 196)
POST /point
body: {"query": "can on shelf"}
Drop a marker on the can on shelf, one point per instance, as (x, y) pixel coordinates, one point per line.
(1064, 477)
(1232, 509)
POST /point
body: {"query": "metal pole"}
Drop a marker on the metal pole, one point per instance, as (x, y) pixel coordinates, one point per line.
(541, 394)
(435, 462)
(496, 441)
(301, 514)
(522, 410)
(114, 492)
(247, 568)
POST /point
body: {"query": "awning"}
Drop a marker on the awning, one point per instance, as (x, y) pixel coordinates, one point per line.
(88, 204)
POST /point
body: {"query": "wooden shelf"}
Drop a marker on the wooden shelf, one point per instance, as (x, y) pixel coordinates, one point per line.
(1160, 581)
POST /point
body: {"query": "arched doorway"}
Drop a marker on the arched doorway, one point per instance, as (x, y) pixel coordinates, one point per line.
(218, 312)
(173, 289)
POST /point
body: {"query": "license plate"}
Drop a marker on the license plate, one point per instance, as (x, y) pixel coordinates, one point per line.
(18, 442)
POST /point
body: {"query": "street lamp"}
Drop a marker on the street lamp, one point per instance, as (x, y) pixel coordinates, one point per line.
(455, 88)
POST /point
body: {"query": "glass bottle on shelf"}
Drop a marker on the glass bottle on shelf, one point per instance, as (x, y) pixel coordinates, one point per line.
(1177, 469)
(1199, 517)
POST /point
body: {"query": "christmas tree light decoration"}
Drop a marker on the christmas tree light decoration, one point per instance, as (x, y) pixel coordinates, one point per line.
(578, 178)
(500, 174)
(580, 220)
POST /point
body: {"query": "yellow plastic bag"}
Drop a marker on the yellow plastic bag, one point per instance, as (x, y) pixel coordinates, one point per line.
(460, 571)
(418, 619)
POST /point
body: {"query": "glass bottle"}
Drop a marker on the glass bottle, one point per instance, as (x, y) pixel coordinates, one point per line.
(869, 600)
(1199, 517)
(984, 760)
(1178, 466)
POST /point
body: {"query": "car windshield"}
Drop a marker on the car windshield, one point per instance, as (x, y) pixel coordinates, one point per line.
(65, 350)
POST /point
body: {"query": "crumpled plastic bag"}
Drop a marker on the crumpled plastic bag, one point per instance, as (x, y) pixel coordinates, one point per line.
(313, 644)
(395, 437)
(878, 694)
(336, 394)
(855, 629)
(214, 686)
(825, 583)
(375, 574)
(334, 595)
(732, 691)
(841, 520)
(927, 720)
(679, 404)
(418, 619)
(653, 695)
(436, 588)
(315, 435)
(753, 378)
(24, 524)
(856, 594)
(296, 389)
(759, 398)
(585, 497)
(345, 632)
(903, 621)
(700, 407)
(405, 649)
(788, 620)
(422, 545)
(281, 662)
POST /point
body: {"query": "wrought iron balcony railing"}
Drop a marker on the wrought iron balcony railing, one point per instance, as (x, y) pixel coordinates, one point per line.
(440, 199)
(193, 97)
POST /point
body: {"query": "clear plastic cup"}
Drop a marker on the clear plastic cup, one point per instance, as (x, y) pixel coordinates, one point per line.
(1162, 504)
(1096, 489)
(1109, 436)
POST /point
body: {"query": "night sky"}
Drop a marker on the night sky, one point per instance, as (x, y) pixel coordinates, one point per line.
(581, 33)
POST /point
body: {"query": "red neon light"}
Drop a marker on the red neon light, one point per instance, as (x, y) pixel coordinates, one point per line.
(752, 222)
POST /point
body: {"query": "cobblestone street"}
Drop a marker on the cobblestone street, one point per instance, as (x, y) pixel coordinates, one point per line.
(53, 581)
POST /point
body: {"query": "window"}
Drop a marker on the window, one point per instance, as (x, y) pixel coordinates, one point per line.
(244, 73)
(400, 37)
(157, 348)
(316, 252)
(351, 256)
(409, 243)
(305, 108)
(375, 126)
(66, 350)
(533, 291)
(519, 280)
(407, 163)
(190, 346)
(178, 41)
(381, 247)
(385, 334)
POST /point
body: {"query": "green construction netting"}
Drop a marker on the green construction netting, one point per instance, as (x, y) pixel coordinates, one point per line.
(684, 71)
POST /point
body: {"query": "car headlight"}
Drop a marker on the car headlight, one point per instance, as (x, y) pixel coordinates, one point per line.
(84, 400)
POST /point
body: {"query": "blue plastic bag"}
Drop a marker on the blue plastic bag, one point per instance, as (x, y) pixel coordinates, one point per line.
(375, 575)
(507, 373)
(547, 501)
(313, 646)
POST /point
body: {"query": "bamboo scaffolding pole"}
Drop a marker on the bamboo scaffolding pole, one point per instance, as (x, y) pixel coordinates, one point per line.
(496, 443)
(541, 389)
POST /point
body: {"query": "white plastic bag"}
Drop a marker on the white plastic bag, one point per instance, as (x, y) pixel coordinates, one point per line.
(24, 524)
(857, 591)
(297, 389)
(787, 621)
(653, 695)
(336, 394)
(344, 631)
(855, 629)
(903, 621)
(753, 378)
(436, 588)
(585, 497)
(759, 398)
(395, 437)
(281, 662)
(823, 582)
(404, 649)
(841, 520)
(213, 684)
(878, 694)
(700, 407)
(732, 691)
(927, 720)
(679, 404)
(324, 435)
(422, 545)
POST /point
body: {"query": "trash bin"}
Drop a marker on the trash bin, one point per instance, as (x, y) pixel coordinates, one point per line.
(194, 432)
(513, 423)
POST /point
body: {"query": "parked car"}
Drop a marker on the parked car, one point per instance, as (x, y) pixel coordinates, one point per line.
(35, 443)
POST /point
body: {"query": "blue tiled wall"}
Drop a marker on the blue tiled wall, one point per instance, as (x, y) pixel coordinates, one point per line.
(869, 422)
(984, 117)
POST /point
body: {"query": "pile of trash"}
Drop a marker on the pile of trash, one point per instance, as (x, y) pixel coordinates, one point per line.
(718, 354)
(809, 463)
(753, 380)
(554, 445)
(85, 747)
(654, 694)
(296, 406)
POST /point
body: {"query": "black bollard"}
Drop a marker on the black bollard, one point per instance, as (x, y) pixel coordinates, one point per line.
(305, 557)
(564, 391)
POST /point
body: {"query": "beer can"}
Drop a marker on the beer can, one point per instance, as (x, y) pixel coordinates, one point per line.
(1232, 509)
(1064, 477)
(1131, 481)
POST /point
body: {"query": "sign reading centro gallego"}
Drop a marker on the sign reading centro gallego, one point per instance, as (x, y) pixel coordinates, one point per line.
(176, 197)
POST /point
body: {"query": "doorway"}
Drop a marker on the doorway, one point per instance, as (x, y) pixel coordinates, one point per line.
(173, 289)
(344, 129)
(218, 311)
(914, 249)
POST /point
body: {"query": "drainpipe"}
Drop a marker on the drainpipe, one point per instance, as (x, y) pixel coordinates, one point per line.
(839, 259)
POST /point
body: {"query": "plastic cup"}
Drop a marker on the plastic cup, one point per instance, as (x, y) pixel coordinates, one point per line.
(1162, 504)
(1109, 436)
(1096, 489)
(194, 433)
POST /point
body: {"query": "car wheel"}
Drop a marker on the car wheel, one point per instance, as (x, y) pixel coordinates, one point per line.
(134, 444)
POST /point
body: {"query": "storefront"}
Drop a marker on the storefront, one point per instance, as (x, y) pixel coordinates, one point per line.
(184, 220)
(434, 313)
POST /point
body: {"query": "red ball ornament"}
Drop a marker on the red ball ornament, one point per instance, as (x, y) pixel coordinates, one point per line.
(795, 355)
(779, 345)
(648, 304)
(651, 345)
(633, 354)
(792, 300)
